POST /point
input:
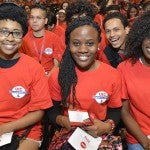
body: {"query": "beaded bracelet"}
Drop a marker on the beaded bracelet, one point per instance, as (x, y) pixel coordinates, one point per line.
(111, 122)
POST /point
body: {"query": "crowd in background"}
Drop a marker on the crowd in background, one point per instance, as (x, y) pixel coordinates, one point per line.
(56, 35)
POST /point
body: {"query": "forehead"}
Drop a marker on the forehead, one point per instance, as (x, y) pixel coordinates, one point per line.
(10, 24)
(114, 22)
(37, 12)
(86, 31)
(65, 4)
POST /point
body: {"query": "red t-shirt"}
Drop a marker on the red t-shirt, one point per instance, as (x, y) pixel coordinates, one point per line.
(95, 89)
(136, 89)
(23, 89)
(58, 30)
(43, 49)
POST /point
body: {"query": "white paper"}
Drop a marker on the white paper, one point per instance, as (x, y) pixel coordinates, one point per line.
(148, 136)
(80, 140)
(6, 138)
(78, 116)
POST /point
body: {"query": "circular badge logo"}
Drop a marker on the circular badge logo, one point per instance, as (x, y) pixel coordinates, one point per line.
(101, 97)
(83, 145)
(18, 92)
(48, 51)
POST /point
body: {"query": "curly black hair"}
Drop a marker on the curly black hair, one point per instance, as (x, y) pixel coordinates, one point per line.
(139, 31)
(16, 13)
(80, 7)
(67, 75)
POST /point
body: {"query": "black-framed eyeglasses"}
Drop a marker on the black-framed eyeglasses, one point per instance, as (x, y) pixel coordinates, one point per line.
(16, 33)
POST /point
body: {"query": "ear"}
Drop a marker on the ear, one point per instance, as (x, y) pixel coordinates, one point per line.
(46, 20)
(99, 44)
(127, 29)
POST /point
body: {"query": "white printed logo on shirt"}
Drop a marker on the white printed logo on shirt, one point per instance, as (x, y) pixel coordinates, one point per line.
(18, 92)
(48, 51)
(101, 97)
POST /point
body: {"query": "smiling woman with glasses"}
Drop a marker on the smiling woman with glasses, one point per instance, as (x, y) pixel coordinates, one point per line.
(24, 91)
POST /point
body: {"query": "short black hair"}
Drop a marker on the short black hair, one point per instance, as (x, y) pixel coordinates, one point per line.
(40, 6)
(52, 19)
(78, 22)
(80, 7)
(113, 7)
(116, 15)
(14, 12)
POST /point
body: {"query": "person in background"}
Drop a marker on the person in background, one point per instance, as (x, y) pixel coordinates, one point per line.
(132, 13)
(24, 87)
(135, 72)
(41, 44)
(81, 83)
(116, 27)
(112, 9)
(52, 26)
(61, 18)
(146, 6)
(64, 5)
(81, 8)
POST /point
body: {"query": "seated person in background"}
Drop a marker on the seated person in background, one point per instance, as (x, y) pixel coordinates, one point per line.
(52, 26)
(41, 44)
(116, 27)
(112, 9)
(132, 13)
(81, 8)
(85, 84)
(146, 6)
(24, 91)
(61, 18)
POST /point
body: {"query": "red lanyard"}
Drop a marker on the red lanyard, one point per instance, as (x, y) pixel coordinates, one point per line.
(40, 53)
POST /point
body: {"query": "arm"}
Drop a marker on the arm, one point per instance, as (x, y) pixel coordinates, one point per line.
(133, 126)
(56, 65)
(29, 119)
(56, 118)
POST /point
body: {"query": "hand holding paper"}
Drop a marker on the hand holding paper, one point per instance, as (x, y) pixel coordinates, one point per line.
(79, 118)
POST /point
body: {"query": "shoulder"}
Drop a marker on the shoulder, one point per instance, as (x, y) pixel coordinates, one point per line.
(125, 64)
(110, 71)
(29, 61)
(51, 36)
(28, 35)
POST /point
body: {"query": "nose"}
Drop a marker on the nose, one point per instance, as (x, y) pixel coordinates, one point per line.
(83, 48)
(10, 37)
(112, 33)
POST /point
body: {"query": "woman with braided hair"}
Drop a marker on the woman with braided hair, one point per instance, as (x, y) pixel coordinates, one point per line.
(84, 84)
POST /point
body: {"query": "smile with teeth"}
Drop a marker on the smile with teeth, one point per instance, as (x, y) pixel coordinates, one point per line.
(114, 40)
(83, 58)
(148, 49)
(9, 46)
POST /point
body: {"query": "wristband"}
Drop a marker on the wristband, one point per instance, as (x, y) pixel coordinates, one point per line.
(111, 122)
